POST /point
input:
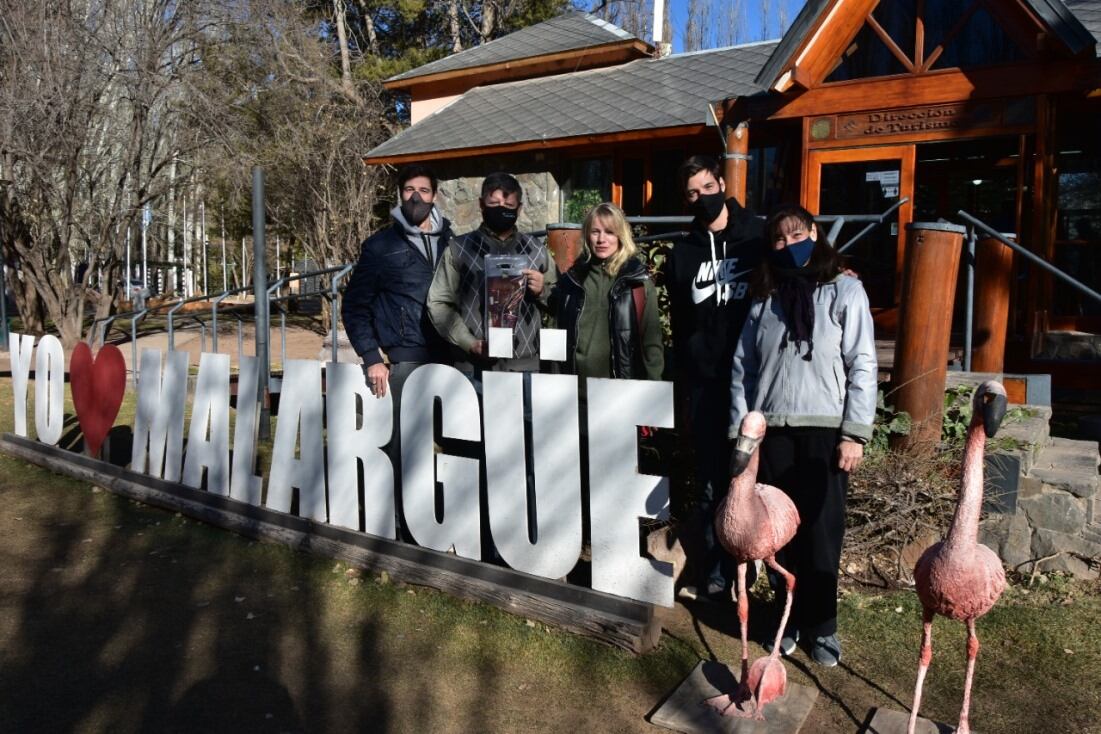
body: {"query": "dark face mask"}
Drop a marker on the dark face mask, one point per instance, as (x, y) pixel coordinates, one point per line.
(499, 218)
(415, 209)
(708, 207)
(794, 256)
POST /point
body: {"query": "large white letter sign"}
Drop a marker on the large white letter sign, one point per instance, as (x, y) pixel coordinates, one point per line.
(208, 439)
(299, 403)
(159, 423)
(618, 494)
(350, 443)
(22, 349)
(551, 548)
(422, 467)
(49, 390)
(244, 485)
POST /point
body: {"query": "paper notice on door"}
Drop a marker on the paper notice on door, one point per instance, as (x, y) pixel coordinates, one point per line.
(885, 178)
(889, 192)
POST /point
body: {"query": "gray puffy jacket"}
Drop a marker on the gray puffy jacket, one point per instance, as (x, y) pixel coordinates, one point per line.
(835, 389)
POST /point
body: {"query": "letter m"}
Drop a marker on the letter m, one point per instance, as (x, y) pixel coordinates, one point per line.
(159, 423)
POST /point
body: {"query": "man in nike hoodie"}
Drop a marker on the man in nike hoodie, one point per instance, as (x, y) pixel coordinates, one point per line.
(707, 278)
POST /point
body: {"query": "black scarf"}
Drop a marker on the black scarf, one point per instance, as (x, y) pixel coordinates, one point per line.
(795, 293)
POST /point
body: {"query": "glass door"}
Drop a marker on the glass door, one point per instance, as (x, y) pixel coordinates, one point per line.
(862, 181)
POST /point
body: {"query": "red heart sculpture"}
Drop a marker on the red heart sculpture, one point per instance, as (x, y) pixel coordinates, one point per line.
(98, 385)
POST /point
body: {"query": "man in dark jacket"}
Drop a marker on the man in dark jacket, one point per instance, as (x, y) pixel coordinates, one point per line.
(707, 277)
(384, 305)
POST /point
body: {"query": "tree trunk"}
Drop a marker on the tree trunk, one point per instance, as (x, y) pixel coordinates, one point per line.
(173, 279)
(489, 20)
(369, 27)
(346, 83)
(453, 25)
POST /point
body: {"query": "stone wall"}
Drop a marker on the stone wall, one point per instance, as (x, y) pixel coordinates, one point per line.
(461, 185)
(1053, 517)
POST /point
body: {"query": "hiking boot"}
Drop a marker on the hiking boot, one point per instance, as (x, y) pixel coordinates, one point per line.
(826, 651)
(787, 642)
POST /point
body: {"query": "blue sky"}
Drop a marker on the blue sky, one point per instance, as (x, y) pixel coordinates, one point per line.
(752, 27)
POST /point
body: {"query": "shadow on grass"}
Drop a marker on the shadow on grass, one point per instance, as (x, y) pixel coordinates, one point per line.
(158, 630)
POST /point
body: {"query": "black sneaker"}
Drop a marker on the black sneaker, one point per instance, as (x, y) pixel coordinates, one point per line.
(826, 651)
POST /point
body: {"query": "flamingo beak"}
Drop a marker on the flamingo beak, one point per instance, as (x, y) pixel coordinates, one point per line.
(993, 411)
(744, 447)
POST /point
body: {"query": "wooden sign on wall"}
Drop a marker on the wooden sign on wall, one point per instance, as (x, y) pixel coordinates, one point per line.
(925, 122)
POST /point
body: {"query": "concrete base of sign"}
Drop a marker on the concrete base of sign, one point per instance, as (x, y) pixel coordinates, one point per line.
(685, 711)
(890, 721)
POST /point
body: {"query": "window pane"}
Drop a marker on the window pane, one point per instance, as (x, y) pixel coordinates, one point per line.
(633, 183)
(1078, 239)
(982, 42)
(866, 187)
(866, 56)
(899, 20)
(668, 199)
(589, 184)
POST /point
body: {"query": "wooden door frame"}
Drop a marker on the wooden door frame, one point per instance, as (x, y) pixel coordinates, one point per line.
(813, 161)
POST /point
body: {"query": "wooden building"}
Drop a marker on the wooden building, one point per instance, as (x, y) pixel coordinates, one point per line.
(989, 106)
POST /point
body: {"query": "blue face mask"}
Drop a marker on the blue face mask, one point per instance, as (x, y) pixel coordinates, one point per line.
(794, 256)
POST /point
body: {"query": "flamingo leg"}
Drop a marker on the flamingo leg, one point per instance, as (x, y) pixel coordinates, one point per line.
(972, 653)
(743, 621)
(923, 665)
(723, 702)
(789, 580)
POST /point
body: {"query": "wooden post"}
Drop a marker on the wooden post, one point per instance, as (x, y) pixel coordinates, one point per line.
(736, 161)
(564, 241)
(993, 280)
(925, 323)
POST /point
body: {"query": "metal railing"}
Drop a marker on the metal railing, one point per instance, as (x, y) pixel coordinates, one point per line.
(172, 309)
(975, 225)
(838, 221)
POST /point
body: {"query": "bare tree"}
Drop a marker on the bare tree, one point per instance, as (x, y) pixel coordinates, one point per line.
(89, 111)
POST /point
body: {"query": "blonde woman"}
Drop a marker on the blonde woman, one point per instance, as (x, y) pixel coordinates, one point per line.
(607, 304)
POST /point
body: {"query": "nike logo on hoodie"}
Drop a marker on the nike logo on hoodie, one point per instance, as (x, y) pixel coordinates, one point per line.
(704, 284)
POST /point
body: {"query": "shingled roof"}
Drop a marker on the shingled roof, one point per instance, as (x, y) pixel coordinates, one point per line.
(568, 32)
(1089, 13)
(641, 95)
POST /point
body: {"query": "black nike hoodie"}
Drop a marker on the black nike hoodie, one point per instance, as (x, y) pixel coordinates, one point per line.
(707, 312)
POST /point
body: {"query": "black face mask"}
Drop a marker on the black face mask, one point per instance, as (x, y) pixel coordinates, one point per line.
(708, 207)
(499, 218)
(415, 210)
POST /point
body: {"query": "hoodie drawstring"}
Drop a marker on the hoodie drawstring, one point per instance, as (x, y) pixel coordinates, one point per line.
(715, 267)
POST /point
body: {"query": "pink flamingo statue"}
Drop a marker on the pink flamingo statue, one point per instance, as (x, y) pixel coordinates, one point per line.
(753, 522)
(959, 578)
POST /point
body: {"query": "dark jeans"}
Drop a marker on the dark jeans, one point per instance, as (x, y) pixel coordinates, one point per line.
(709, 418)
(803, 463)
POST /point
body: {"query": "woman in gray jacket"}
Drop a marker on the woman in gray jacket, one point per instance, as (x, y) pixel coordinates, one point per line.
(806, 359)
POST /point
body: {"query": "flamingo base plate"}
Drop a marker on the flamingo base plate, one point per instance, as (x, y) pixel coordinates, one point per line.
(890, 721)
(684, 710)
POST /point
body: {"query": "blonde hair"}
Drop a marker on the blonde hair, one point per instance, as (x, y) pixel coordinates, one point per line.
(612, 216)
